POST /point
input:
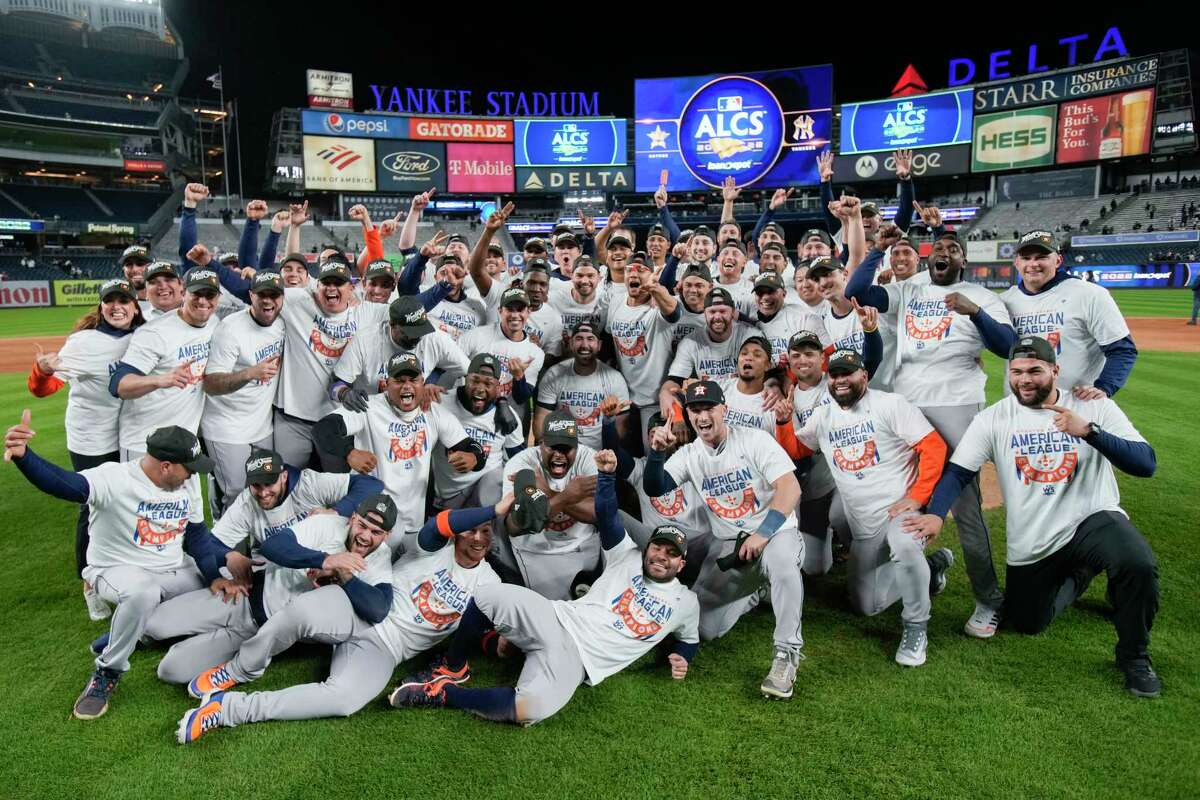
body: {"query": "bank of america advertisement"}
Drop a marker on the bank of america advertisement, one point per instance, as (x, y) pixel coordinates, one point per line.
(339, 164)
(1014, 139)
(925, 120)
(760, 128)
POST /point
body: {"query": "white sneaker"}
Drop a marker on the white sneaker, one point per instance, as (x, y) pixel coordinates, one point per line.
(782, 677)
(983, 623)
(913, 645)
(97, 608)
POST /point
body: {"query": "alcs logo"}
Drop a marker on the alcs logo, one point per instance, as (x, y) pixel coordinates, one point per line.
(569, 143)
(732, 126)
(906, 119)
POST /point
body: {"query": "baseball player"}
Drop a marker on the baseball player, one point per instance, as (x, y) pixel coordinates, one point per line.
(694, 285)
(808, 295)
(394, 440)
(746, 480)
(550, 558)
(749, 401)
(164, 290)
(885, 458)
(160, 376)
(143, 516)
(90, 353)
(457, 312)
(294, 271)
(711, 352)
(544, 325)
(240, 380)
(520, 358)
(778, 321)
(489, 420)
(429, 593)
(580, 385)
(379, 281)
(133, 263)
(1055, 454)
(731, 268)
(641, 327)
(636, 603)
(1094, 350)
(580, 300)
(943, 327)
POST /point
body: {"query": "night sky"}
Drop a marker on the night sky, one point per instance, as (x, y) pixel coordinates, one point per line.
(264, 49)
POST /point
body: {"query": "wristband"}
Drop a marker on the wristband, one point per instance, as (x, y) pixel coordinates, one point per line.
(870, 330)
(771, 524)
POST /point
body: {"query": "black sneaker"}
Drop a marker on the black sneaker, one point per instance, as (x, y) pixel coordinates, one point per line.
(939, 562)
(94, 700)
(1140, 678)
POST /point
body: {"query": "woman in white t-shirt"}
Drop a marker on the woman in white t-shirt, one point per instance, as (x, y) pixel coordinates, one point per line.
(96, 344)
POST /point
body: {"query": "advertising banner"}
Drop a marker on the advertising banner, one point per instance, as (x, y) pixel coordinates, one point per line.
(22, 225)
(940, 161)
(759, 128)
(460, 130)
(1078, 182)
(326, 89)
(1155, 237)
(339, 165)
(603, 179)
(407, 166)
(981, 251)
(24, 294)
(1105, 127)
(1013, 139)
(84, 292)
(1139, 276)
(111, 228)
(479, 167)
(1056, 87)
(569, 142)
(340, 123)
(923, 120)
(145, 165)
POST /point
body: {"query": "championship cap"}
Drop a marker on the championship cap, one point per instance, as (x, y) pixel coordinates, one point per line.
(658, 230)
(334, 270)
(514, 296)
(458, 237)
(266, 283)
(135, 252)
(843, 362)
(561, 430)
(200, 280)
(534, 245)
(409, 314)
(531, 506)
(672, 535)
(1038, 240)
(587, 325)
(380, 268)
(537, 265)
(403, 364)
(379, 510)
(495, 247)
(819, 234)
(228, 257)
(619, 239)
(685, 235)
(116, 286)
(560, 229)
(719, 296)
(823, 266)
(704, 393)
(770, 281)
(869, 209)
(908, 241)
(773, 227)
(178, 446)
(263, 466)
(484, 364)
(639, 258)
(776, 246)
(705, 231)
(1033, 347)
(566, 239)
(160, 268)
(698, 269)
(761, 341)
(802, 339)
(336, 257)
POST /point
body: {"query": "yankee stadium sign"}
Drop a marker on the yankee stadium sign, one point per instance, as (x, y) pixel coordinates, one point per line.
(417, 100)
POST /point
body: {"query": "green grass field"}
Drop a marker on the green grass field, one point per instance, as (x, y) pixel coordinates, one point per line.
(1016, 716)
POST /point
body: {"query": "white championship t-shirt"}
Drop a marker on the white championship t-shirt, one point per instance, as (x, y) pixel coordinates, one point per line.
(642, 338)
(482, 429)
(581, 395)
(785, 324)
(699, 356)
(746, 410)
(244, 415)
(563, 533)
(86, 361)
(371, 349)
(681, 506)
(457, 318)
(491, 340)
(307, 490)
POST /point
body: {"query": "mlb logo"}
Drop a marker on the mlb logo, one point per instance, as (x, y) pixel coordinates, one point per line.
(729, 103)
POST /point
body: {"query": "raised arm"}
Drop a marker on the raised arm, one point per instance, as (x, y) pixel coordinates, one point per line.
(475, 264)
(266, 259)
(297, 216)
(608, 521)
(408, 231)
(664, 213)
(256, 210)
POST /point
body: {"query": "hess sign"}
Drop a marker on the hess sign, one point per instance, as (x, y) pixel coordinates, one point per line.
(569, 142)
(927, 120)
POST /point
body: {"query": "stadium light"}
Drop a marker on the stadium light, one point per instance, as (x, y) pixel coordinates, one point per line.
(31, 86)
(157, 87)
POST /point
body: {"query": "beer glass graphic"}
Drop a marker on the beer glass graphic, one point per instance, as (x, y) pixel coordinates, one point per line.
(1135, 117)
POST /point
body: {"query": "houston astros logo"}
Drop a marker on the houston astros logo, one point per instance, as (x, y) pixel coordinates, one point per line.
(403, 451)
(560, 522)
(855, 463)
(636, 349)
(326, 345)
(624, 606)
(1045, 468)
(587, 419)
(424, 599)
(732, 126)
(196, 371)
(920, 327)
(722, 505)
(150, 534)
(668, 504)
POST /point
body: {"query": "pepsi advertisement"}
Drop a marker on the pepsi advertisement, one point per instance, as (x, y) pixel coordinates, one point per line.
(569, 142)
(343, 123)
(760, 128)
(925, 120)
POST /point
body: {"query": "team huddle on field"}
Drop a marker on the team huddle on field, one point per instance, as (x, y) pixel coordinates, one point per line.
(623, 444)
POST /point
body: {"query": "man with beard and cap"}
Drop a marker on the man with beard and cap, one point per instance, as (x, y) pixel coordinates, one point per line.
(641, 324)
(379, 281)
(294, 271)
(456, 313)
(905, 263)
(160, 376)
(635, 603)
(772, 258)
(489, 420)
(731, 273)
(240, 381)
(694, 285)
(1055, 453)
(548, 554)
(614, 247)
(395, 440)
(943, 327)
(750, 396)
(133, 262)
(1094, 350)
(362, 369)
(746, 480)
(580, 385)
(581, 300)
(216, 620)
(164, 290)
(521, 359)
(711, 352)
(778, 321)
(885, 458)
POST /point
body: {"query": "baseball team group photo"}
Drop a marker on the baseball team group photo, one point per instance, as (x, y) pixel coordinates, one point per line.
(476, 417)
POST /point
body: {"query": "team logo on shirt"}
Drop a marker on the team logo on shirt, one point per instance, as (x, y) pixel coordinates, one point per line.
(926, 320)
(408, 439)
(730, 495)
(1046, 324)
(195, 356)
(439, 602)
(853, 447)
(560, 522)
(329, 339)
(668, 505)
(157, 524)
(641, 614)
(1045, 456)
(630, 339)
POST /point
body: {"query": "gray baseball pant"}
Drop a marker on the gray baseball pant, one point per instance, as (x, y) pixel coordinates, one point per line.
(323, 615)
(951, 423)
(292, 439)
(551, 574)
(136, 593)
(726, 595)
(229, 466)
(553, 669)
(215, 630)
(484, 492)
(887, 566)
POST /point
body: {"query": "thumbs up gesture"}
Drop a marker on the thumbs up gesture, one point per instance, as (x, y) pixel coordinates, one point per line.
(17, 438)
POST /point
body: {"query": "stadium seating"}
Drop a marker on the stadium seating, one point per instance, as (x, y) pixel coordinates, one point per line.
(66, 108)
(131, 205)
(1005, 218)
(1168, 205)
(63, 202)
(125, 68)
